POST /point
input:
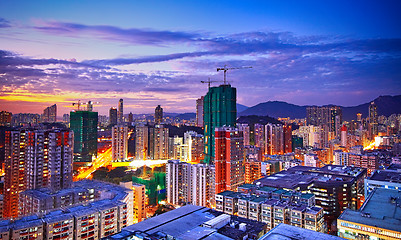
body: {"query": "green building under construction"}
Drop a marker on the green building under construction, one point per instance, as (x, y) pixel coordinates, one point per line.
(219, 109)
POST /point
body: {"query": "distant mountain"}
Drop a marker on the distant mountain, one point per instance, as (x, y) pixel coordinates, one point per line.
(386, 105)
(275, 109)
(241, 108)
(186, 116)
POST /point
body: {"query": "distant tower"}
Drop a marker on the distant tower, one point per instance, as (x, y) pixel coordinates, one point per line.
(199, 112)
(50, 114)
(130, 117)
(158, 114)
(344, 136)
(373, 121)
(120, 112)
(359, 117)
(113, 116)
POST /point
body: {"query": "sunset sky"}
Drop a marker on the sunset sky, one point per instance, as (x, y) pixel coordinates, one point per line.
(156, 52)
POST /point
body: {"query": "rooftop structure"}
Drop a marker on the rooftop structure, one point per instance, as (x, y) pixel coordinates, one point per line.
(336, 187)
(193, 222)
(379, 217)
(288, 232)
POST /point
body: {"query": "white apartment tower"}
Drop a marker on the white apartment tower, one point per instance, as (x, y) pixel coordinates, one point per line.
(119, 143)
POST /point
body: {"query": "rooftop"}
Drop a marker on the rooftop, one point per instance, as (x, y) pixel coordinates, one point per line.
(386, 176)
(382, 209)
(185, 223)
(288, 232)
(302, 176)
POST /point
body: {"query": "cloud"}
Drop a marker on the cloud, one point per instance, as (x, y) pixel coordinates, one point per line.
(4, 23)
(130, 35)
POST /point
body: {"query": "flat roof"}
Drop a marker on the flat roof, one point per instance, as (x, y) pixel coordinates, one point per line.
(288, 232)
(379, 210)
(386, 176)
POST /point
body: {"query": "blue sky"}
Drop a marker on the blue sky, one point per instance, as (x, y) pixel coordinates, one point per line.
(157, 52)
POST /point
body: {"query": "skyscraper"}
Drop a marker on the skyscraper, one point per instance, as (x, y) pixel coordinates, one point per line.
(120, 112)
(141, 142)
(158, 142)
(50, 114)
(373, 120)
(220, 109)
(130, 117)
(113, 116)
(84, 125)
(158, 114)
(229, 159)
(119, 146)
(199, 112)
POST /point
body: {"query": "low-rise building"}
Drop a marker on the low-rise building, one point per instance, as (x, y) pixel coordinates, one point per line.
(389, 179)
(284, 231)
(273, 206)
(193, 222)
(378, 218)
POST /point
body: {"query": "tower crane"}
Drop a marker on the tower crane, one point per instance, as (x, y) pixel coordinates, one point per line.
(225, 68)
(208, 82)
(89, 105)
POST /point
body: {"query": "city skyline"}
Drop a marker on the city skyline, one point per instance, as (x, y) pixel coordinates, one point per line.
(309, 53)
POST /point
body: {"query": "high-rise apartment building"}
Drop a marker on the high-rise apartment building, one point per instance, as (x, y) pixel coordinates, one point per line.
(259, 137)
(194, 147)
(48, 159)
(158, 114)
(84, 126)
(158, 142)
(287, 138)
(15, 178)
(119, 147)
(192, 183)
(328, 117)
(219, 109)
(5, 118)
(35, 159)
(253, 170)
(199, 112)
(120, 113)
(373, 120)
(244, 128)
(274, 139)
(113, 116)
(229, 158)
(139, 202)
(50, 114)
(141, 142)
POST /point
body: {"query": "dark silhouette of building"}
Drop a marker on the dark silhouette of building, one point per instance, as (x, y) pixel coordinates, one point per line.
(158, 114)
(50, 114)
(113, 116)
(120, 112)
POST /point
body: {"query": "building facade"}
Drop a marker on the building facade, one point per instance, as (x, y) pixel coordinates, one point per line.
(220, 109)
(84, 126)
